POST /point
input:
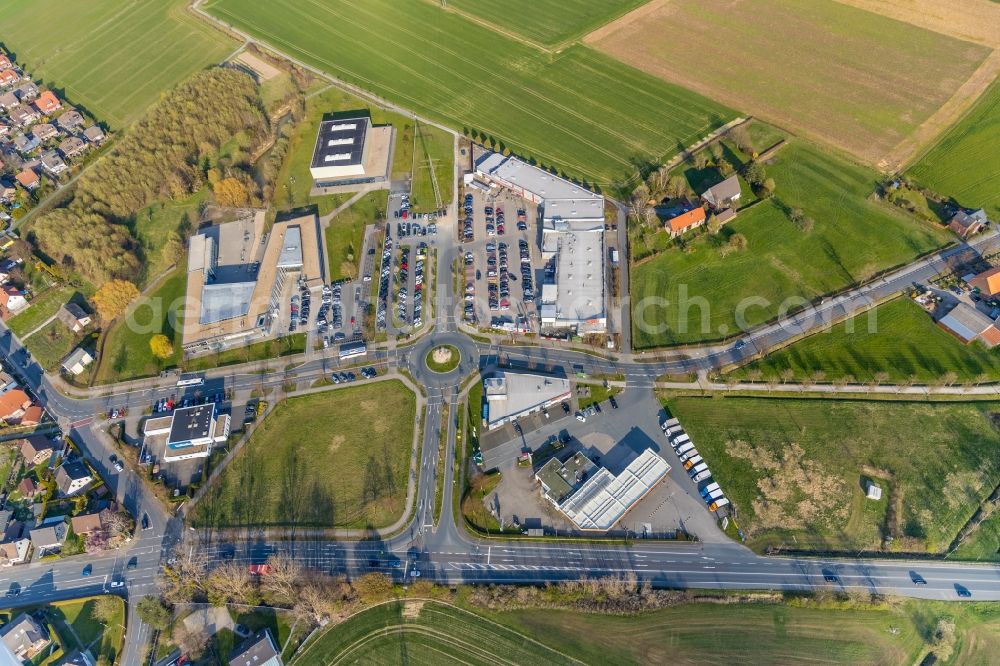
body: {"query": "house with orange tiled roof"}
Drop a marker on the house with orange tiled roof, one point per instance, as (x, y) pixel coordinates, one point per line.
(28, 179)
(4, 61)
(32, 416)
(13, 405)
(684, 222)
(966, 324)
(47, 102)
(988, 282)
(9, 77)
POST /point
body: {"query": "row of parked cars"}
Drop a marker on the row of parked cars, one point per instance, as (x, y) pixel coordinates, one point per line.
(692, 461)
(347, 377)
(527, 284)
(467, 232)
(383, 285)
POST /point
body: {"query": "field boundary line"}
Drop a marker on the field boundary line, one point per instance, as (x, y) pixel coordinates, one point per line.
(932, 131)
(472, 18)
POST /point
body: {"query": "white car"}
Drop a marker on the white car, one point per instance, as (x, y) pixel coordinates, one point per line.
(581, 417)
(414, 573)
(115, 584)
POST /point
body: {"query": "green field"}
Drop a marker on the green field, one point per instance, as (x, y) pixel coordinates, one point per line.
(113, 58)
(294, 182)
(435, 146)
(898, 338)
(580, 111)
(794, 632)
(965, 163)
(546, 22)
(333, 459)
(345, 235)
(126, 348)
(848, 77)
(794, 468)
(854, 237)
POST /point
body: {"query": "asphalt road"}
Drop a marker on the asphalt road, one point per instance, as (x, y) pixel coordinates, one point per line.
(437, 548)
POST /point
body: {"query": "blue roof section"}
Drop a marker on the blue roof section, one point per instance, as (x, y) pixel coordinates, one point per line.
(291, 249)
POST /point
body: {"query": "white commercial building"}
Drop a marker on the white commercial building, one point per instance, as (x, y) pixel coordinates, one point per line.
(572, 238)
(350, 151)
(188, 433)
(510, 395)
(604, 498)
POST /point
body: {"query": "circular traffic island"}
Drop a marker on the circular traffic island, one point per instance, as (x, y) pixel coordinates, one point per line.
(443, 358)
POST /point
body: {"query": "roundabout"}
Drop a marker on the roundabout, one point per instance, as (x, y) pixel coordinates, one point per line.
(443, 358)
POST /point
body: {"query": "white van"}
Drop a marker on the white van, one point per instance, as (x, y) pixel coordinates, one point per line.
(692, 461)
(687, 456)
(684, 448)
(669, 423)
(718, 503)
(702, 476)
(681, 439)
(697, 469)
(714, 495)
(674, 431)
(709, 489)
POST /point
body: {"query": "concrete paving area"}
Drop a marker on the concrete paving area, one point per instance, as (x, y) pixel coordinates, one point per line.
(612, 439)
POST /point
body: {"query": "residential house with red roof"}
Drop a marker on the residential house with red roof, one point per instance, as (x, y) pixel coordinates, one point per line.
(12, 301)
(9, 77)
(13, 404)
(47, 102)
(28, 179)
(684, 222)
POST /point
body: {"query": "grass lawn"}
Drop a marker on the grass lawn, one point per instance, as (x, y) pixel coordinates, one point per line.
(345, 235)
(849, 77)
(598, 394)
(446, 366)
(51, 344)
(579, 110)
(126, 350)
(110, 57)
(981, 544)
(897, 338)
(43, 306)
(88, 629)
(259, 351)
(853, 238)
(794, 468)
(546, 22)
(333, 459)
(437, 147)
(293, 182)
(964, 164)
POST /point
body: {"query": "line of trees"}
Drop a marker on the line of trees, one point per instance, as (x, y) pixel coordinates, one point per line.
(164, 156)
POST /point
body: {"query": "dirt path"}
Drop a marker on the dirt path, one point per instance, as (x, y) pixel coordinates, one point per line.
(947, 115)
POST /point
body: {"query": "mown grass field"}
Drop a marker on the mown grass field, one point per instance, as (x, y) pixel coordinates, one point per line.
(434, 148)
(113, 58)
(854, 237)
(897, 338)
(294, 182)
(965, 163)
(794, 468)
(52, 344)
(792, 632)
(581, 111)
(851, 78)
(345, 235)
(547, 22)
(333, 459)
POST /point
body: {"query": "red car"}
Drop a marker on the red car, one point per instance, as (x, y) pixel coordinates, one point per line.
(260, 569)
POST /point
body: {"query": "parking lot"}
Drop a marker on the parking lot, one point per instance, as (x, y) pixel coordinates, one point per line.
(502, 260)
(611, 438)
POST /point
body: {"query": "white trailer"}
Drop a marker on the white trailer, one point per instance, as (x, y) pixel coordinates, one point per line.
(684, 448)
(698, 469)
